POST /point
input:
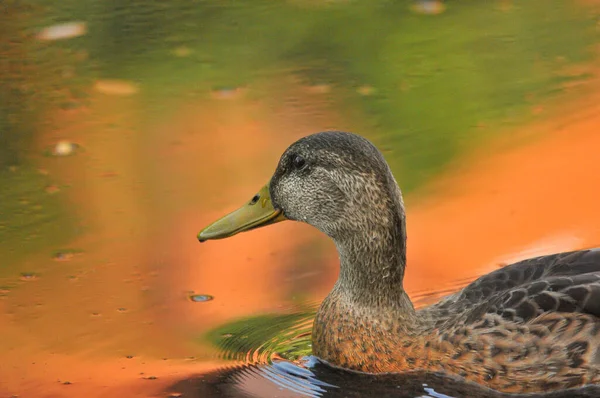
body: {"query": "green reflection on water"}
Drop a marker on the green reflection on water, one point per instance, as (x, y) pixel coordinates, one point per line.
(36, 78)
(30, 218)
(287, 335)
(433, 79)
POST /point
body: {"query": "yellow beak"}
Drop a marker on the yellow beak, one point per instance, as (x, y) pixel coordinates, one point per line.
(254, 214)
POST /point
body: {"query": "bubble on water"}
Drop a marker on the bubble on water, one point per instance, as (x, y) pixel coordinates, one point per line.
(227, 92)
(64, 148)
(319, 88)
(28, 276)
(432, 7)
(51, 189)
(365, 90)
(65, 254)
(182, 51)
(200, 298)
(116, 87)
(63, 31)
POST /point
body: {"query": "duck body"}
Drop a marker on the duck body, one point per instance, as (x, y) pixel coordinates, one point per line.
(530, 326)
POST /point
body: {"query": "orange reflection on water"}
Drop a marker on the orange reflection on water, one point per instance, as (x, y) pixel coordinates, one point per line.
(143, 196)
(229, 151)
(507, 205)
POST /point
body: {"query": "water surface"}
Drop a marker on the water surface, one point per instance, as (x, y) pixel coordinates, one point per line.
(125, 128)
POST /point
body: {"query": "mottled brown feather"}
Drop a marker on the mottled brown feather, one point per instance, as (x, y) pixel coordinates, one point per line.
(530, 326)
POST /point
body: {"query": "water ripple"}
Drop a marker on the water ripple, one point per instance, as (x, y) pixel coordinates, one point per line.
(313, 378)
(275, 351)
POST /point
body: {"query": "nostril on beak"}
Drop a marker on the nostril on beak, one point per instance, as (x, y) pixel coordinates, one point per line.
(255, 199)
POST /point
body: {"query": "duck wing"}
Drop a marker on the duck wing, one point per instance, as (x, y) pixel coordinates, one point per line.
(537, 321)
(566, 282)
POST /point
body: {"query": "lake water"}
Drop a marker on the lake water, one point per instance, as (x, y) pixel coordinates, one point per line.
(125, 128)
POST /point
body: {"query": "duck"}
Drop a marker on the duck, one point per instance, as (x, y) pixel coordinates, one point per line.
(531, 326)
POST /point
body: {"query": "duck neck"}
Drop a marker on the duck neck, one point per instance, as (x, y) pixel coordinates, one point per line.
(373, 260)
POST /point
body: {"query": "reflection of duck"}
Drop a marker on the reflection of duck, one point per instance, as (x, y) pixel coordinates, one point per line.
(533, 325)
(313, 379)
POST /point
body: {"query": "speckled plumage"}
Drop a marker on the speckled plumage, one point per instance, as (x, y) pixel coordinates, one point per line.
(530, 326)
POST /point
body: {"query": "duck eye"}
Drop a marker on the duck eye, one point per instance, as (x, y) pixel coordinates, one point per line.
(299, 162)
